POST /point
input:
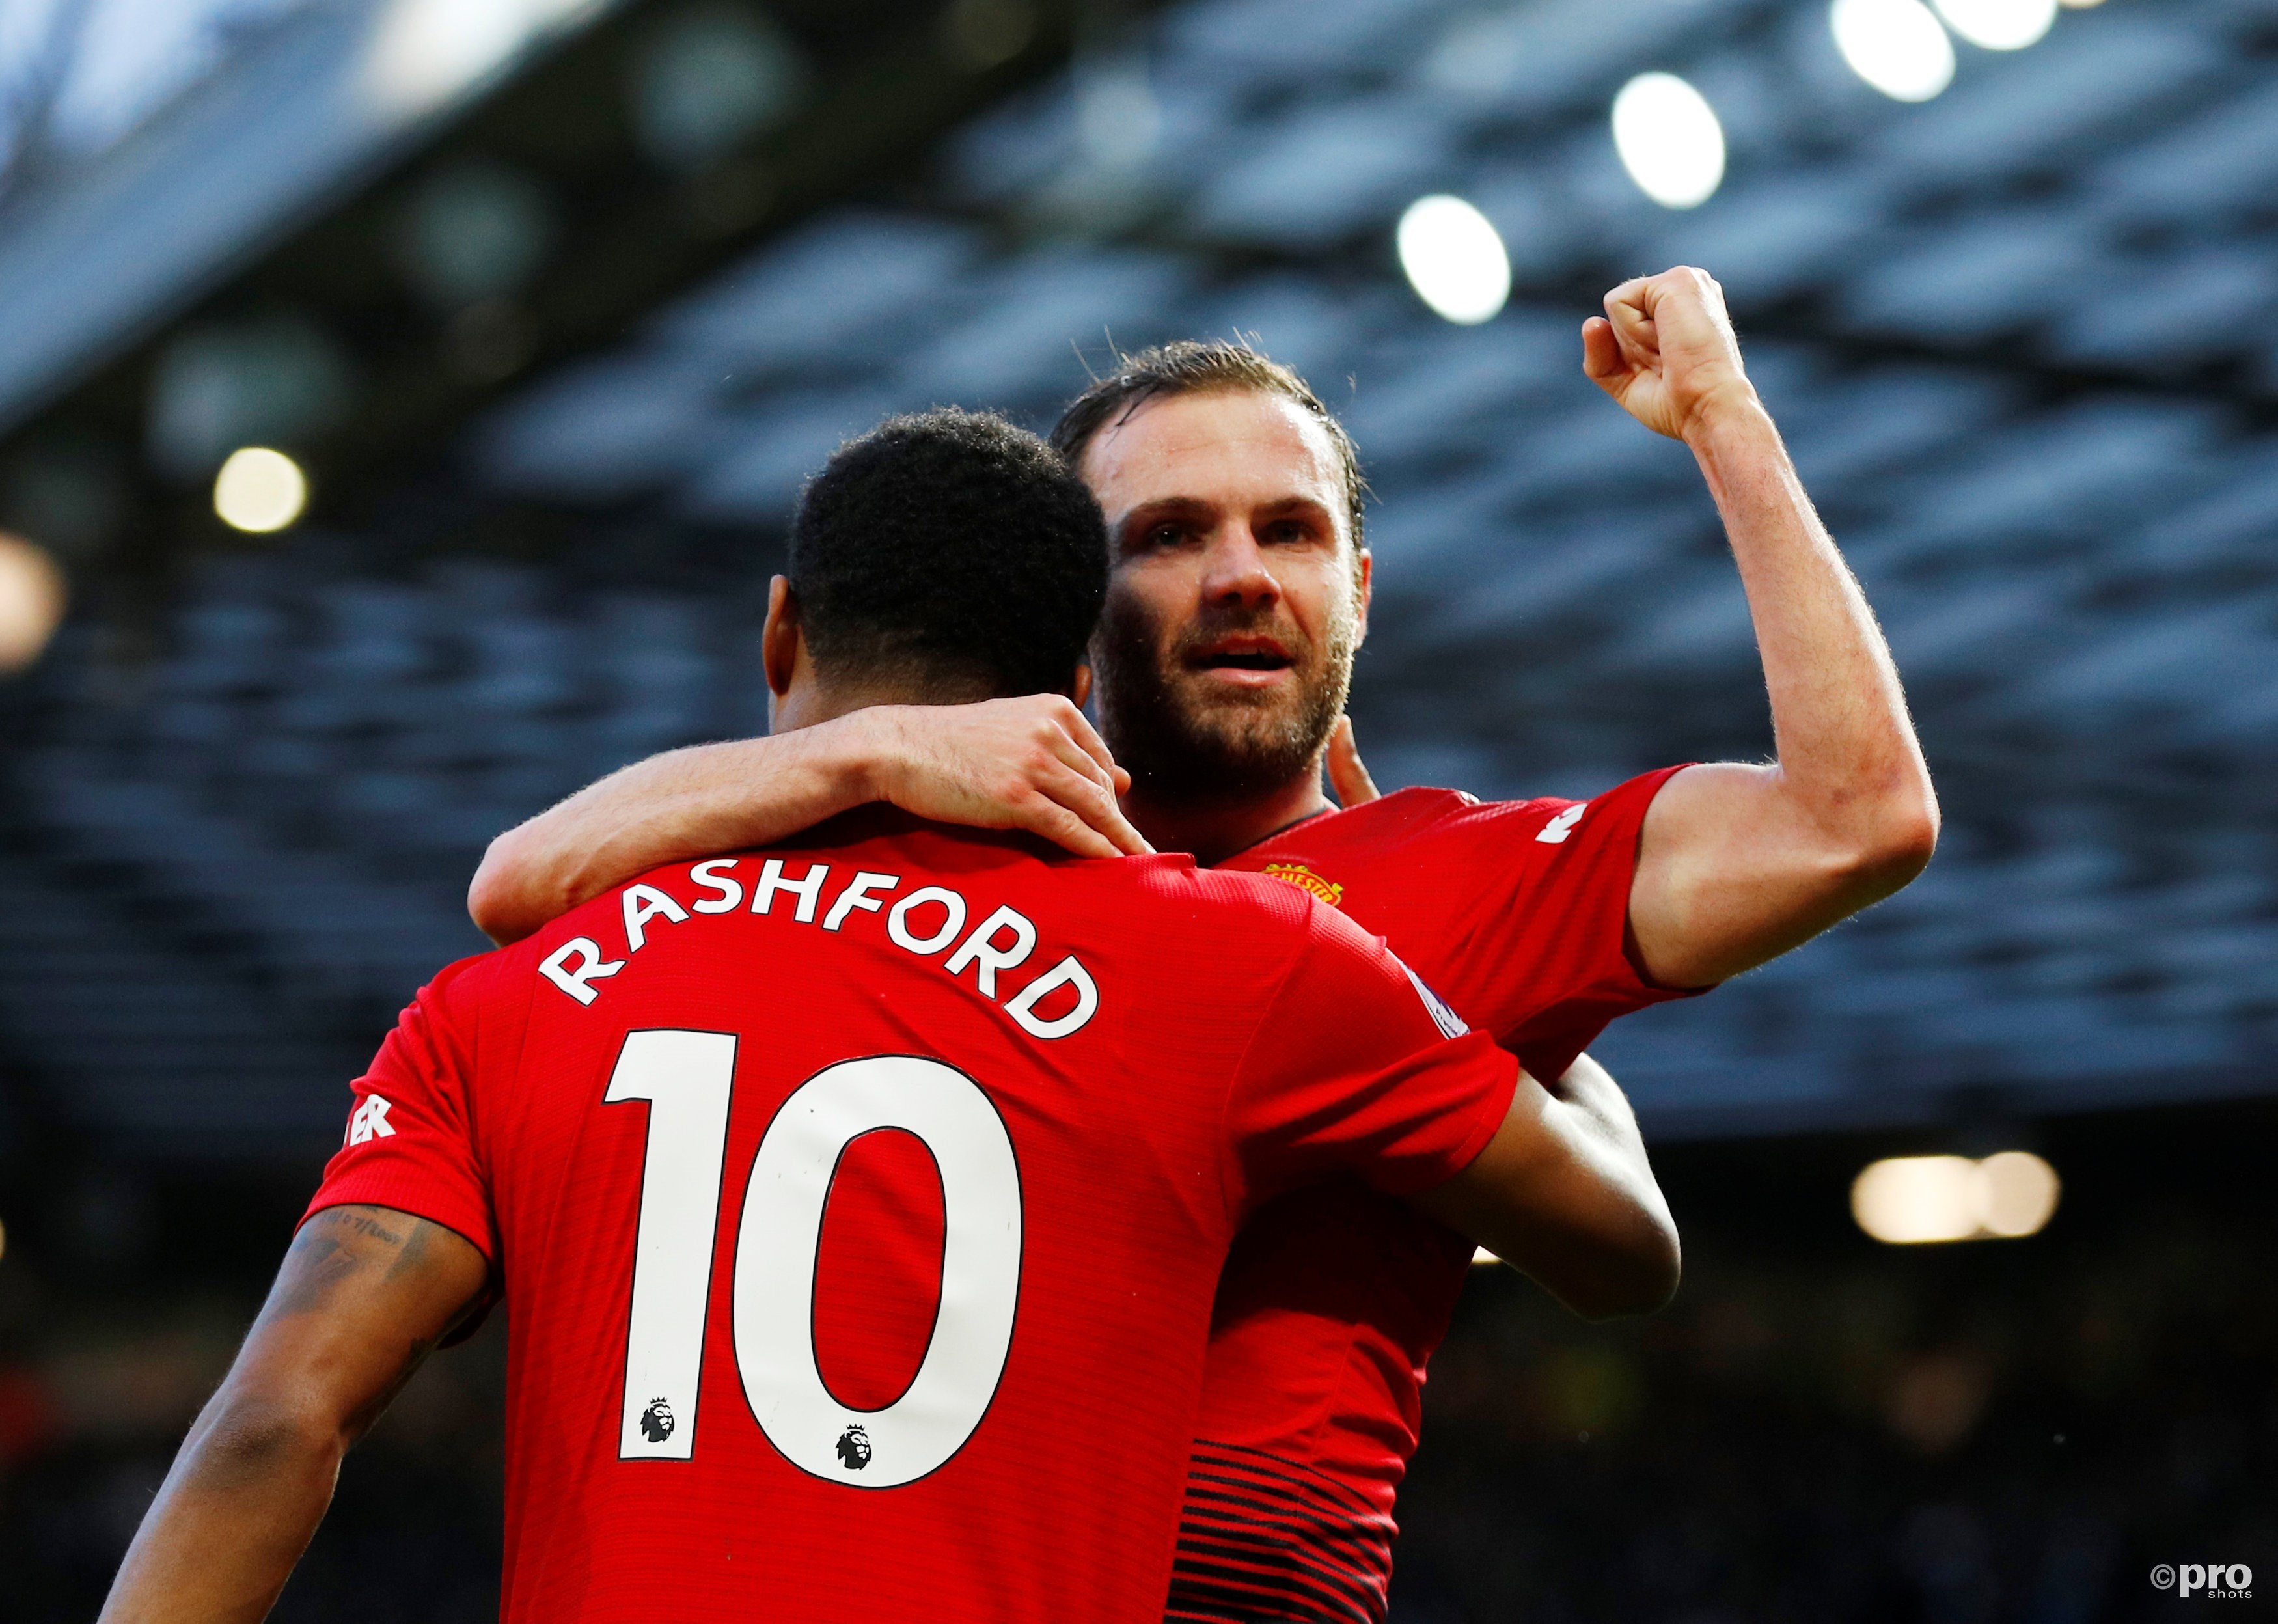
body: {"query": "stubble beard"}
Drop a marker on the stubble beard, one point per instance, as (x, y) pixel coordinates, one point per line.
(1184, 745)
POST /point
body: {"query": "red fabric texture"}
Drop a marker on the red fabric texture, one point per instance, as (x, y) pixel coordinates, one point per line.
(1336, 1296)
(1246, 1042)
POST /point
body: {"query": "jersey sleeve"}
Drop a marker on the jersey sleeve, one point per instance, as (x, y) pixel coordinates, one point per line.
(410, 1141)
(1537, 908)
(1356, 1067)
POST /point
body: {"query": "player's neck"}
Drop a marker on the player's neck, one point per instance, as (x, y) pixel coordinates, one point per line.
(1216, 830)
(807, 705)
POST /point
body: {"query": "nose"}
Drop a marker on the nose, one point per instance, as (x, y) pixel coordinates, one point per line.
(1236, 576)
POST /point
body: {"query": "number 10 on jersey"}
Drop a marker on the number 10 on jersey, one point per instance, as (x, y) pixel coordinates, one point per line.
(687, 1079)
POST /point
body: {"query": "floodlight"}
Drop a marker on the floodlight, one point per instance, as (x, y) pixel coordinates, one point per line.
(260, 490)
(1455, 259)
(2000, 25)
(1669, 140)
(1898, 46)
(32, 597)
(2017, 1193)
(1909, 1201)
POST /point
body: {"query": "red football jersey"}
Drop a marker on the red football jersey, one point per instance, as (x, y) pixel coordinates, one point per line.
(1335, 1297)
(859, 1207)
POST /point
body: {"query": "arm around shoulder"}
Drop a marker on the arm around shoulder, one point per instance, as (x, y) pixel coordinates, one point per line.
(672, 807)
(1032, 762)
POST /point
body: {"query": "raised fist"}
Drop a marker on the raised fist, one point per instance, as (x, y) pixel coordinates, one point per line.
(1665, 349)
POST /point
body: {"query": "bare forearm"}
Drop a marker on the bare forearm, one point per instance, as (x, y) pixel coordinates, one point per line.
(235, 1513)
(364, 1294)
(1602, 1110)
(687, 804)
(1033, 763)
(1847, 747)
(1565, 1195)
(1737, 863)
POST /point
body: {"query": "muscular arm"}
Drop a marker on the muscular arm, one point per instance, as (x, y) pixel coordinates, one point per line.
(365, 1295)
(1032, 764)
(1739, 863)
(1564, 1193)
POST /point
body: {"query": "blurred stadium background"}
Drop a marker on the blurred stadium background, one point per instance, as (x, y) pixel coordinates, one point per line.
(552, 304)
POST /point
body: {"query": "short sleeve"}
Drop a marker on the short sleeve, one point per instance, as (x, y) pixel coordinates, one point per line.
(1356, 1067)
(411, 1143)
(1537, 920)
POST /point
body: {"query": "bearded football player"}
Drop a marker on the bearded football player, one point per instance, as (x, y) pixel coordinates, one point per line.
(1241, 590)
(830, 1187)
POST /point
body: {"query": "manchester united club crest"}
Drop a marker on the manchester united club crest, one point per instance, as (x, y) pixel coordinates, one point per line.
(1305, 880)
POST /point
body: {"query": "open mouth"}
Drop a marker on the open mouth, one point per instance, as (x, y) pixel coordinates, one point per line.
(1260, 656)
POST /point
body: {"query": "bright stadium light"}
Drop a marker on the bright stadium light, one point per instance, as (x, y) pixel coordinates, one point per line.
(1669, 140)
(1455, 259)
(2000, 25)
(1910, 1201)
(2017, 1193)
(259, 490)
(32, 599)
(1898, 46)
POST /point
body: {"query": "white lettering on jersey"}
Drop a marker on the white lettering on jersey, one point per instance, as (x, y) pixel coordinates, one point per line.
(1555, 831)
(1003, 941)
(898, 922)
(1451, 1023)
(807, 887)
(857, 894)
(1066, 973)
(979, 949)
(370, 1121)
(712, 877)
(643, 903)
(590, 965)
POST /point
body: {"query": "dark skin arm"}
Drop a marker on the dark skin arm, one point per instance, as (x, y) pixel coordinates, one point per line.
(1564, 1193)
(365, 1295)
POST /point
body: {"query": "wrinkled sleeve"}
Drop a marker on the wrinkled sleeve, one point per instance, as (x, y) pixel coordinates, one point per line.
(1356, 1067)
(410, 1142)
(1539, 929)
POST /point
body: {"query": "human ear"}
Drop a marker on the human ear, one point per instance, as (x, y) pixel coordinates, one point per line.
(1366, 563)
(781, 638)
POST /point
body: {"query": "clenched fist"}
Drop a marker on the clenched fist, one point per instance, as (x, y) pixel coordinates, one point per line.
(1665, 349)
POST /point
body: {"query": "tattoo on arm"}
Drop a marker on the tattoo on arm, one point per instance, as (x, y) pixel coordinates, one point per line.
(344, 1254)
(338, 1243)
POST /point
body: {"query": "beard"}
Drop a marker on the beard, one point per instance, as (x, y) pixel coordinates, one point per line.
(1187, 740)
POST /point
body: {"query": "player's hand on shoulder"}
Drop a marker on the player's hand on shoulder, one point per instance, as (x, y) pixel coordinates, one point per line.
(1666, 350)
(1348, 775)
(1034, 762)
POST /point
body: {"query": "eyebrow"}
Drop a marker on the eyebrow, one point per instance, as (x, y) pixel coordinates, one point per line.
(1194, 506)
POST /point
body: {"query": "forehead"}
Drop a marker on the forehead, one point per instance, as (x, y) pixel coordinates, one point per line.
(1235, 448)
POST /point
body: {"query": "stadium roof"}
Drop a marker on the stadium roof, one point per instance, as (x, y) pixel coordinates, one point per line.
(2000, 327)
